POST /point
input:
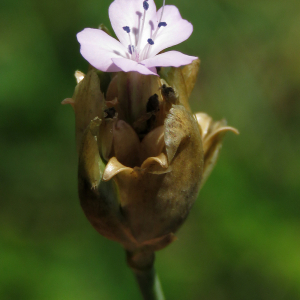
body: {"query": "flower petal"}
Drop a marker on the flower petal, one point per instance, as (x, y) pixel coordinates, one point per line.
(130, 13)
(176, 31)
(98, 48)
(169, 59)
(128, 65)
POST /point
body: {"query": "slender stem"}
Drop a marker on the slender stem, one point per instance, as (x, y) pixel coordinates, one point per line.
(142, 265)
(149, 284)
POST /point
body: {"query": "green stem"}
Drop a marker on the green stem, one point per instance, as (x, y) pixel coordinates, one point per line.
(149, 284)
(142, 265)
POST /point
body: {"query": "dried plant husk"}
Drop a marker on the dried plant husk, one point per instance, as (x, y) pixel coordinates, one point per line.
(143, 155)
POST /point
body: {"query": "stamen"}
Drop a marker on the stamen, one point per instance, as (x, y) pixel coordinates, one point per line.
(130, 47)
(162, 12)
(127, 29)
(151, 41)
(162, 24)
(146, 5)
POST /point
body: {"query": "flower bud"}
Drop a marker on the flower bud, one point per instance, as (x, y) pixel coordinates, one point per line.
(142, 154)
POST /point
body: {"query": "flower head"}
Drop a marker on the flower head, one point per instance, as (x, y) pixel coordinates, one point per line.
(143, 155)
(143, 33)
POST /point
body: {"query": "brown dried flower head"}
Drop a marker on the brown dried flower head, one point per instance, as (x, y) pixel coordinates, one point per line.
(142, 154)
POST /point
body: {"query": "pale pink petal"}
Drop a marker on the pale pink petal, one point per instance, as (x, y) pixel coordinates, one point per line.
(169, 59)
(130, 13)
(153, 70)
(128, 65)
(98, 48)
(176, 31)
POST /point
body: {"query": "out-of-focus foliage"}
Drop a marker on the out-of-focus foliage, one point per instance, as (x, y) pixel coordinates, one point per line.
(242, 239)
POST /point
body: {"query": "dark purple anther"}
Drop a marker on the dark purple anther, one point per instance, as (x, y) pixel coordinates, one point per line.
(162, 24)
(145, 5)
(150, 41)
(127, 29)
(130, 49)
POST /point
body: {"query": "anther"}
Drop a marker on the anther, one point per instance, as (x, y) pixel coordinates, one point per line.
(110, 113)
(162, 24)
(150, 41)
(145, 5)
(130, 47)
(169, 94)
(127, 29)
(153, 104)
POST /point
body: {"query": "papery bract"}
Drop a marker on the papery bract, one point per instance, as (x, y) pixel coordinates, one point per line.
(143, 33)
(141, 165)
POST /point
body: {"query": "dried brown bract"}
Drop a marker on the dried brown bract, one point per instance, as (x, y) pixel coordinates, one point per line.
(142, 154)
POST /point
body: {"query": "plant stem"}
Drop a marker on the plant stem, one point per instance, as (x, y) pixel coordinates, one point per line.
(149, 284)
(142, 265)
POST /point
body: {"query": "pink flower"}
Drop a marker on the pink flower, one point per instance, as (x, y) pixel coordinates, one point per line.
(143, 33)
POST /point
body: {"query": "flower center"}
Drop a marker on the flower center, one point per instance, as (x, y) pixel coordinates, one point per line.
(135, 51)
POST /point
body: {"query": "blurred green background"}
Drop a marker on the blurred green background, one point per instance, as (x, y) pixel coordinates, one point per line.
(242, 238)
